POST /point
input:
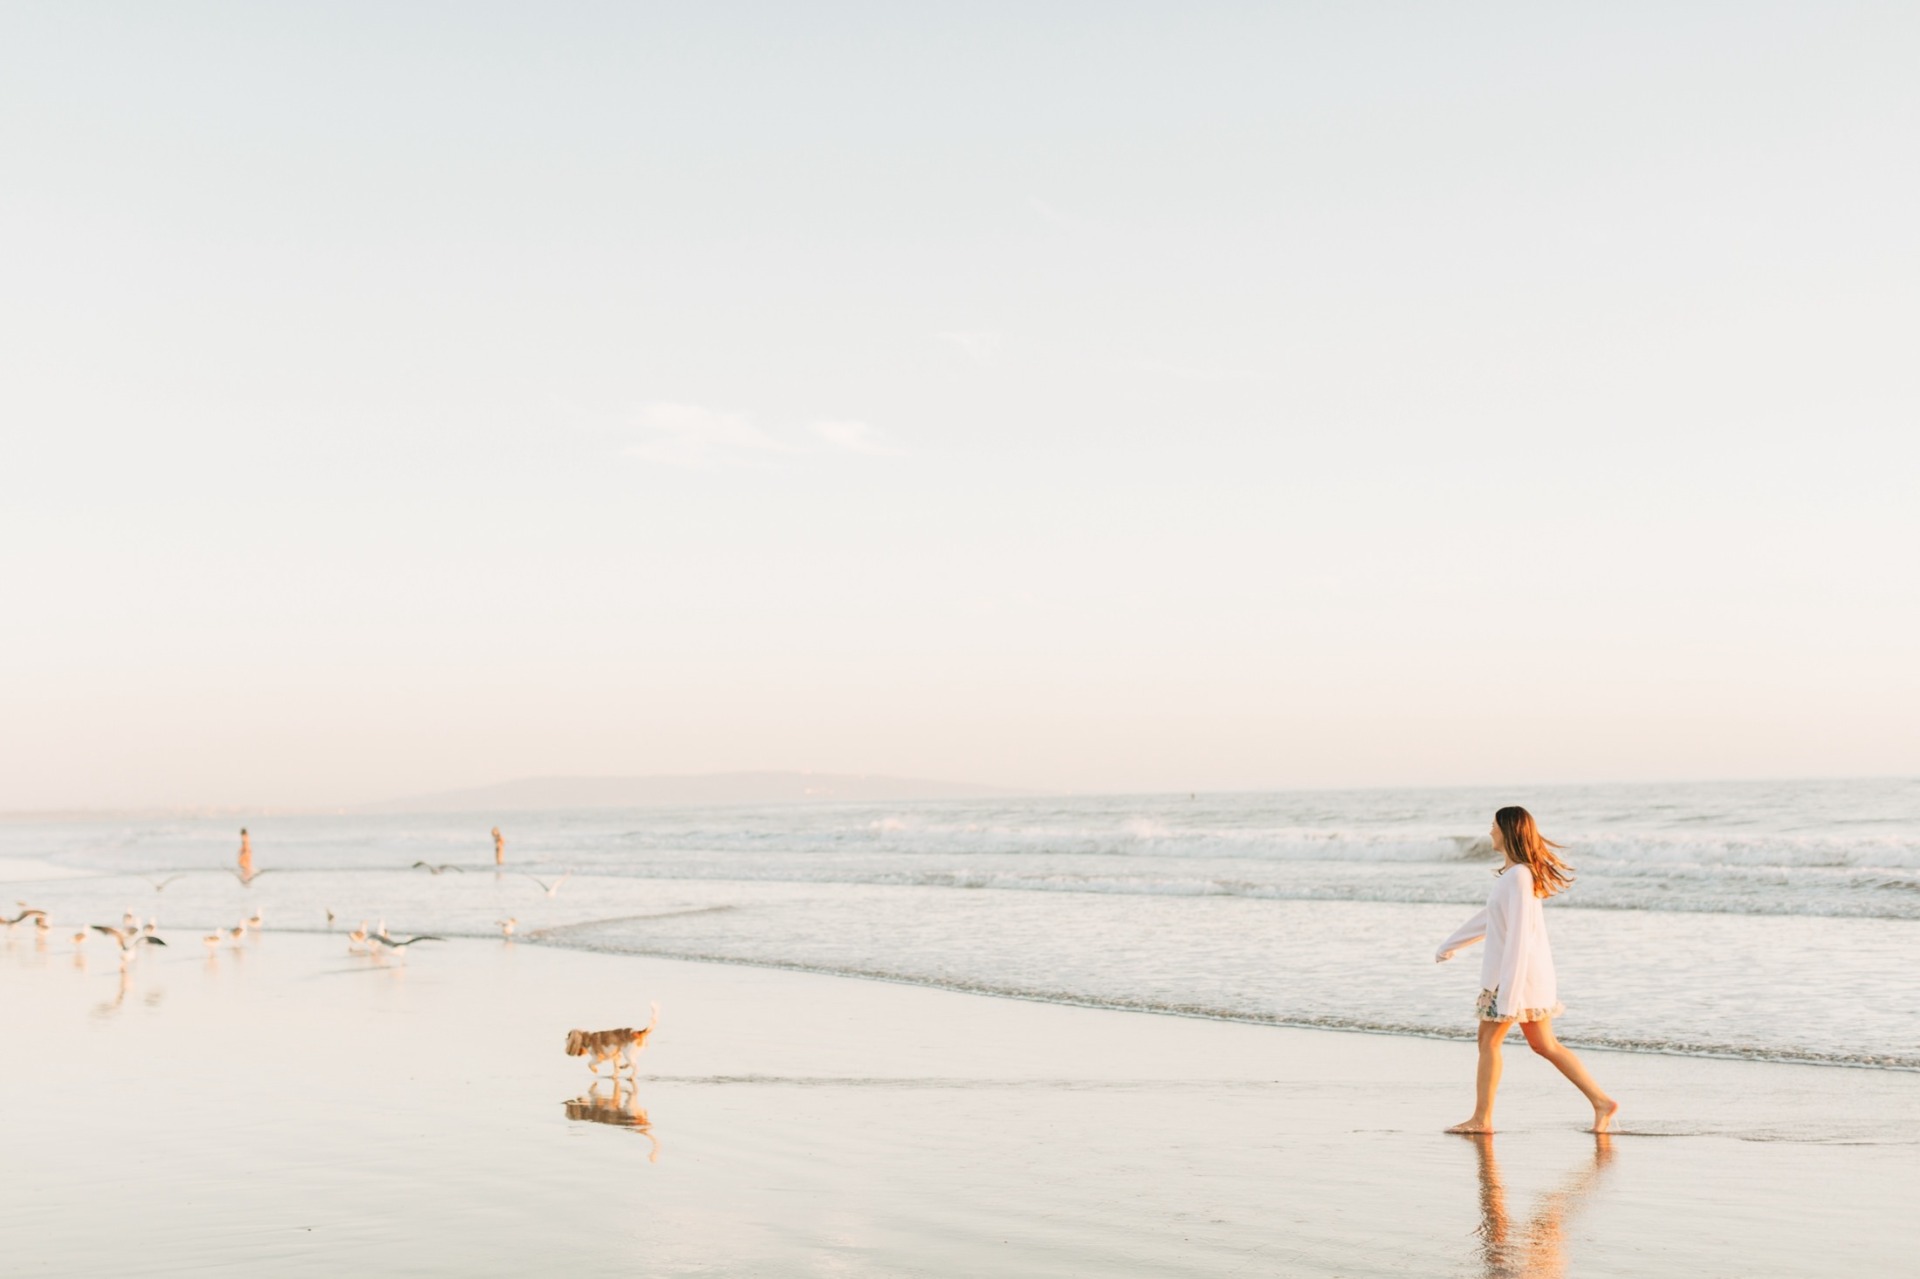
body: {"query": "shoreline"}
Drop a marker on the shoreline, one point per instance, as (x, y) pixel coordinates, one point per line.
(313, 1110)
(580, 935)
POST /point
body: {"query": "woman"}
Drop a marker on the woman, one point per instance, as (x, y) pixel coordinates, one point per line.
(1516, 972)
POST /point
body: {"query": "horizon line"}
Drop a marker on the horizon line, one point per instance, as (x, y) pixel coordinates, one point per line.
(71, 812)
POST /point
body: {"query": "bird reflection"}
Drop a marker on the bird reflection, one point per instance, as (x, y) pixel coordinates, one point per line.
(1537, 1248)
(622, 1110)
(107, 1008)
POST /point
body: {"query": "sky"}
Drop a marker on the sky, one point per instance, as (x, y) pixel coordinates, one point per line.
(1081, 397)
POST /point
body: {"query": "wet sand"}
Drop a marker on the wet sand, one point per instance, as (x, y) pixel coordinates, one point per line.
(291, 1110)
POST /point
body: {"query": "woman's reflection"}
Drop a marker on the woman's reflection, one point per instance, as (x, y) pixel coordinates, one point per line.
(1538, 1250)
(622, 1110)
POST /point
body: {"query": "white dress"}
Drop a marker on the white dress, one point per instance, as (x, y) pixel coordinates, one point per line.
(1516, 970)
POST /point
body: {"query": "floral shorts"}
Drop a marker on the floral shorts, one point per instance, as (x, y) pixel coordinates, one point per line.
(1489, 1000)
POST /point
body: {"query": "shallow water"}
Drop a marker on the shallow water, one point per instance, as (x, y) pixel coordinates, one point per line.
(1777, 920)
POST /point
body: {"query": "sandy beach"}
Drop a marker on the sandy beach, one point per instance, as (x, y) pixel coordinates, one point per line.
(289, 1109)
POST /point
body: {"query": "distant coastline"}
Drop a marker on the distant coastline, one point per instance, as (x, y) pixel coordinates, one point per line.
(540, 794)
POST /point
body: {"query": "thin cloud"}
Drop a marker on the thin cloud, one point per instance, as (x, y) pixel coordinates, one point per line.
(691, 435)
(980, 345)
(700, 438)
(1065, 221)
(1192, 373)
(856, 437)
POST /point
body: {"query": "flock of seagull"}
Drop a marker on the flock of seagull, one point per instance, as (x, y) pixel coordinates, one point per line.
(132, 934)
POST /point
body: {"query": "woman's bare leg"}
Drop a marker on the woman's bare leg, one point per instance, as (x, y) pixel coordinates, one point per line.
(1541, 1039)
(1486, 1079)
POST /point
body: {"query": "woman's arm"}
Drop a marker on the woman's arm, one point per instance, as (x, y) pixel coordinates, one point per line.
(1473, 930)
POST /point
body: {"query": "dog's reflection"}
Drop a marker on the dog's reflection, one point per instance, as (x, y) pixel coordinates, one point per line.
(1536, 1249)
(621, 1109)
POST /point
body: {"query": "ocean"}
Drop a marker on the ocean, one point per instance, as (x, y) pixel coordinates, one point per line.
(1775, 920)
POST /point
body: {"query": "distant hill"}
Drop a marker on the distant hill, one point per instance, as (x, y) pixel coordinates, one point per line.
(535, 794)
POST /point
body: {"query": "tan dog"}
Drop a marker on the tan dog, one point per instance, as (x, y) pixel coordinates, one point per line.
(619, 1046)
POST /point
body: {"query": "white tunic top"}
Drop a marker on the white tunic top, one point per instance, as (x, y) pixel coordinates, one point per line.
(1517, 962)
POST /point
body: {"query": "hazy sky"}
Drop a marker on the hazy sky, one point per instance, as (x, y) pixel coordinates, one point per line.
(1096, 396)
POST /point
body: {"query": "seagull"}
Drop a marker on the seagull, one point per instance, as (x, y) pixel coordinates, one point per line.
(130, 922)
(329, 911)
(30, 912)
(253, 920)
(128, 939)
(552, 889)
(358, 937)
(441, 869)
(391, 944)
(212, 940)
(248, 878)
(41, 925)
(160, 886)
(506, 926)
(238, 933)
(79, 939)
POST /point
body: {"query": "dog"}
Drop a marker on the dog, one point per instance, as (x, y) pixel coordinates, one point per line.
(618, 1046)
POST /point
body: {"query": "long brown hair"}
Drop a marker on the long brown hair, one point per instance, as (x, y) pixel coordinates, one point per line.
(1527, 846)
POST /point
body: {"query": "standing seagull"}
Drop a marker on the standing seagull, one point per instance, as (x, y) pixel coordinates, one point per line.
(553, 889)
(506, 926)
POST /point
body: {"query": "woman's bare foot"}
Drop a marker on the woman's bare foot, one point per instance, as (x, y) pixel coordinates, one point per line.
(1473, 1126)
(1603, 1115)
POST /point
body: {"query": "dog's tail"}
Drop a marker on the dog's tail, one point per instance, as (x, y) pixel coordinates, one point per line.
(576, 1043)
(640, 1036)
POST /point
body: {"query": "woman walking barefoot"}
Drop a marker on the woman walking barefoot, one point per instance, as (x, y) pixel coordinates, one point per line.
(1516, 972)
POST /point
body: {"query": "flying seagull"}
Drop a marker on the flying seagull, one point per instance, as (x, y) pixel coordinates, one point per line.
(128, 940)
(394, 944)
(553, 889)
(441, 869)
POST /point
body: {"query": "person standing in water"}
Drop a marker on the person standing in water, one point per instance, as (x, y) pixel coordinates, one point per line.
(246, 855)
(499, 848)
(1516, 970)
